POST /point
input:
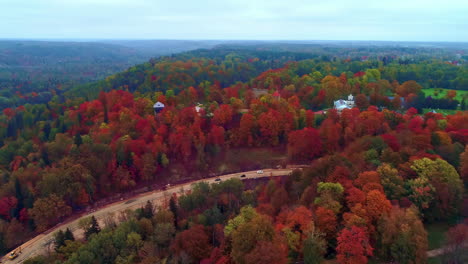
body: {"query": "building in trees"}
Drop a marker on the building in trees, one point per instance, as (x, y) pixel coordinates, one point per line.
(344, 104)
(158, 107)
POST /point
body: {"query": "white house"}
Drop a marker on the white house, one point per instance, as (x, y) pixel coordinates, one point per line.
(158, 107)
(344, 104)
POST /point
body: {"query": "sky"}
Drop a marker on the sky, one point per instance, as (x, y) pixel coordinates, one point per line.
(394, 20)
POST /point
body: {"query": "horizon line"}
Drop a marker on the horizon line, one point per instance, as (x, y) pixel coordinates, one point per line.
(227, 40)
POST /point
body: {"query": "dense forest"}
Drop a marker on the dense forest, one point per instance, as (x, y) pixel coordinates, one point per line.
(35, 71)
(376, 175)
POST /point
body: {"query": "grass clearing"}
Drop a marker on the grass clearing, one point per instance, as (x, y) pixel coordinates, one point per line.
(441, 111)
(436, 234)
(441, 93)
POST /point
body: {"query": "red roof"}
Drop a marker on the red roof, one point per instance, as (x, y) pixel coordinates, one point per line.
(276, 94)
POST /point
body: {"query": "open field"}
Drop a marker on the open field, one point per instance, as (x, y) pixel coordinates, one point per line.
(441, 93)
(441, 111)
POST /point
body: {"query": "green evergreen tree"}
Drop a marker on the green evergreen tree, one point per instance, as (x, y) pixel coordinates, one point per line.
(78, 140)
(148, 210)
(59, 239)
(173, 208)
(93, 228)
(68, 235)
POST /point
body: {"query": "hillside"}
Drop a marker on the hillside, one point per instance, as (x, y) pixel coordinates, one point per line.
(377, 171)
(35, 71)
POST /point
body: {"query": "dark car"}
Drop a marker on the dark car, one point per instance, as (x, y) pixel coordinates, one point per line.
(242, 176)
(217, 179)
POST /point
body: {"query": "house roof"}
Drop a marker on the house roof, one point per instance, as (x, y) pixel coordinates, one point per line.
(158, 105)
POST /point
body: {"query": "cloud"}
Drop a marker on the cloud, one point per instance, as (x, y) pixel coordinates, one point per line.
(423, 20)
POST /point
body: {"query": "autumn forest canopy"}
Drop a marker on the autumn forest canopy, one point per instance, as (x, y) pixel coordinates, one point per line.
(379, 129)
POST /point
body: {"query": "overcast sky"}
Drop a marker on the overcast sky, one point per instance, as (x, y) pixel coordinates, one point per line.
(408, 20)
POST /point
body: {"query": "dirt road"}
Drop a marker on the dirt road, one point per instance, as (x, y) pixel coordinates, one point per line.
(44, 242)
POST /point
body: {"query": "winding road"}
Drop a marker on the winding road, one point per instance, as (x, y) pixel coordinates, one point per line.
(44, 242)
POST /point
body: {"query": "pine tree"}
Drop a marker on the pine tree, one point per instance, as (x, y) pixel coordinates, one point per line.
(68, 235)
(173, 208)
(148, 210)
(59, 239)
(78, 140)
(93, 228)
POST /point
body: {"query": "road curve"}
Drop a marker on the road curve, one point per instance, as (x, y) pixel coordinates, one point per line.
(43, 242)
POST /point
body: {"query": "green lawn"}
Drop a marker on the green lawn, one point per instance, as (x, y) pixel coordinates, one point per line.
(441, 93)
(436, 234)
(441, 111)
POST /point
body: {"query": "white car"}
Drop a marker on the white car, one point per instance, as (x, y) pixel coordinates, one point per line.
(260, 172)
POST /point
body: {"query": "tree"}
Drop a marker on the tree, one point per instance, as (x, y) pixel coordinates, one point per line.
(392, 183)
(446, 183)
(326, 222)
(456, 240)
(68, 235)
(330, 132)
(7, 205)
(93, 228)
(270, 127)
(314, 248)
(368, 180)
(174, 209)
(163, 234)
(402, 237)
(362, 102)
(14, 234)
(353, 246)
(223, 115)
(299, 219)
(246, 126)
(408, 87)
(59, 239)
(134, 241)
(451, 94)
(247, 235)
(194, 242)
(216, 136)
(78, 140)
(247, 213)
(70, 248)
(279, 199)
(149, 166)
(304, 145)
(333, 87)
(377, 204)
(330, 196)
(420, 192)
(148, 210)
(464, 166)
(48, 211)
(266, 252)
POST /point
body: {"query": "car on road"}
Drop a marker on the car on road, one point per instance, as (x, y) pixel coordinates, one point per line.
(217, 179)
(242, 176)
(260, 172)
(14, 254)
